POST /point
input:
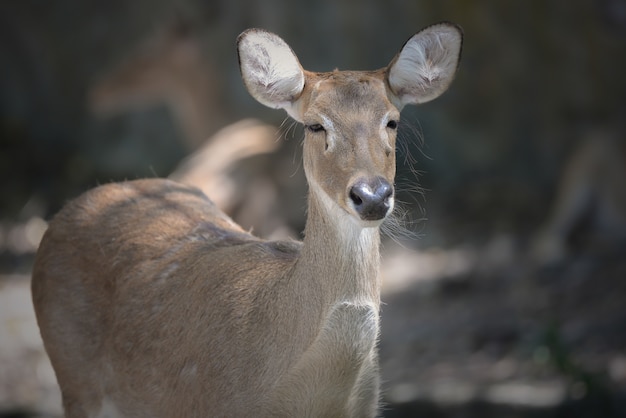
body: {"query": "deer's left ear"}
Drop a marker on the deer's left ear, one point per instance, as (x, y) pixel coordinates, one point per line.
(426, 65)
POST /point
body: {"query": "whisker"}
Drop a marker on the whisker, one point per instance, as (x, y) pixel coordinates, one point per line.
(407, 220)
(401, 228)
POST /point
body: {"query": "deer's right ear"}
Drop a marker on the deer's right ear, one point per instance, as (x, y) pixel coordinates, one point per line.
(270, 69)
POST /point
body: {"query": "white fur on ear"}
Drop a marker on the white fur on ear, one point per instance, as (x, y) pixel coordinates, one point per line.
(270, 69)
(426, 65)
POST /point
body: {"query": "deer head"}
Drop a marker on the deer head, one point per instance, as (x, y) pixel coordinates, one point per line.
(350, 117)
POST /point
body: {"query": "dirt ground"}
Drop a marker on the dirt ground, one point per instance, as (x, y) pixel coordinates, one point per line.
(488, 336)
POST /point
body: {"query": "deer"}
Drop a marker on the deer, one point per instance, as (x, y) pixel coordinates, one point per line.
(590, 199)
(169, 68)
(151, 302)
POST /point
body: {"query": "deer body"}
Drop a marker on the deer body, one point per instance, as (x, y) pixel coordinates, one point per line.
(152, 302)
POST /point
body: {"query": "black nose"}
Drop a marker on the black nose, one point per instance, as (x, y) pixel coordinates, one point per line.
(371, 198)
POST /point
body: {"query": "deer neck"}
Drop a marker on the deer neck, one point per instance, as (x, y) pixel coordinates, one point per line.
(339, 254)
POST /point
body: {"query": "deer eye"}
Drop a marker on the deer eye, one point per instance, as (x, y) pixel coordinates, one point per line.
(392, 124)
(316, 127)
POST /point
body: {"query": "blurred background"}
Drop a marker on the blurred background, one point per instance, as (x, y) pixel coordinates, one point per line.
(506, 298)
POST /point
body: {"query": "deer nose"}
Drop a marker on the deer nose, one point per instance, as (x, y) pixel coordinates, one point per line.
(372, 198)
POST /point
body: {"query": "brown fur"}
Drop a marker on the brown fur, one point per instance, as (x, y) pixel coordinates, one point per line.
(153, 303)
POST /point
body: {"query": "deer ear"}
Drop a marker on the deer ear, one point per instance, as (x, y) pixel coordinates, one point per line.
(426, 65)
(270, 69)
